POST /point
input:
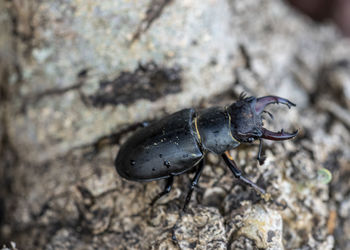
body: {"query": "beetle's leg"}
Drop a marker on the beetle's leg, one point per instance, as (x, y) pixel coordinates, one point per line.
(194, 183)
(238, 174)
(166, 190)
(261, 159)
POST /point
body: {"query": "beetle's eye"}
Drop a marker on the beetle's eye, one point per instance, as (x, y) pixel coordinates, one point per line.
(250, 139)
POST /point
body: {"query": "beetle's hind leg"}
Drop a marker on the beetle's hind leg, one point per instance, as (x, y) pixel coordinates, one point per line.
(238, 174)
(166, 190)
(194, 183)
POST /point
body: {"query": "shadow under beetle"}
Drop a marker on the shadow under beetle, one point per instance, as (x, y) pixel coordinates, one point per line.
(178, 142)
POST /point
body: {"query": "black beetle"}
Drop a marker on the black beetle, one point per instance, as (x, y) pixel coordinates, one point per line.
(178, 142)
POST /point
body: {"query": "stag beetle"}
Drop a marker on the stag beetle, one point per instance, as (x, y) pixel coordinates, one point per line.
(178, 142)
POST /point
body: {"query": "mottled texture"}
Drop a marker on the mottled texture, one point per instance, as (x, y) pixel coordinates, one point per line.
(203, 228)
(146, 82)
(258, 223)
(58, 140)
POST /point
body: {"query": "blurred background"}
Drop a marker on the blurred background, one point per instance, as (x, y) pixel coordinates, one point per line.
(322, 10)
(76, 76)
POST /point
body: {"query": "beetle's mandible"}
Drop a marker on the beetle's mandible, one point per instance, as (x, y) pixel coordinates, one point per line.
(178, 142)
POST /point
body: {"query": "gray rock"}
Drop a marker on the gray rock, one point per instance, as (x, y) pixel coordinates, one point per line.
(75, 77)
(261, 225)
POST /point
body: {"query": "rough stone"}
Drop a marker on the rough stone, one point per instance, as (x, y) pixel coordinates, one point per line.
(77, 76)
(258, 223)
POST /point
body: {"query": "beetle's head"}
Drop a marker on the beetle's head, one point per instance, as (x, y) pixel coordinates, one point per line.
(246, 119)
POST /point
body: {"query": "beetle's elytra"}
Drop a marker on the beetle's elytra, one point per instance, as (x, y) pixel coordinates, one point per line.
(178, 142)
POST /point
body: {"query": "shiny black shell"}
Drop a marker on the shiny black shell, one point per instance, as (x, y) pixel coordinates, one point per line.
(165, 148)
(214, 128)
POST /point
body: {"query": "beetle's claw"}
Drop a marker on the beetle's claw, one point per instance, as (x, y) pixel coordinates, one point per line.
(252, 184)
(261, 160)
(262, 102)
(277, 136)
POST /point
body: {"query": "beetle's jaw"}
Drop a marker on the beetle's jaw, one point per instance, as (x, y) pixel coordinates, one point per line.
(277, 136)
(260, 104)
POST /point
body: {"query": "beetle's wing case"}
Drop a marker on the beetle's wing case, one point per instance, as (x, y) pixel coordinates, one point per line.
(214, 126)
(164, 148)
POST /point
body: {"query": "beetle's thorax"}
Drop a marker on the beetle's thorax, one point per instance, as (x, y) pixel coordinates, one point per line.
(213, 129)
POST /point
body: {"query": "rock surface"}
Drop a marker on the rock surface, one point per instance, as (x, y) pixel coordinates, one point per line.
(75, 77)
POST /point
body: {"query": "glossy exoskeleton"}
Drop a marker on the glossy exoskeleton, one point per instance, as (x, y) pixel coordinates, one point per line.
(178, 142)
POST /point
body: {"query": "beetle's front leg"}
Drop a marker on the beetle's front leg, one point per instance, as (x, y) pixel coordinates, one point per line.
(261, 159)
(238, 174)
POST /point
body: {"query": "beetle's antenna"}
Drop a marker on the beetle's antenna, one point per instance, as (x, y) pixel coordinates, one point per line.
(269, 113)
(242, 95)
